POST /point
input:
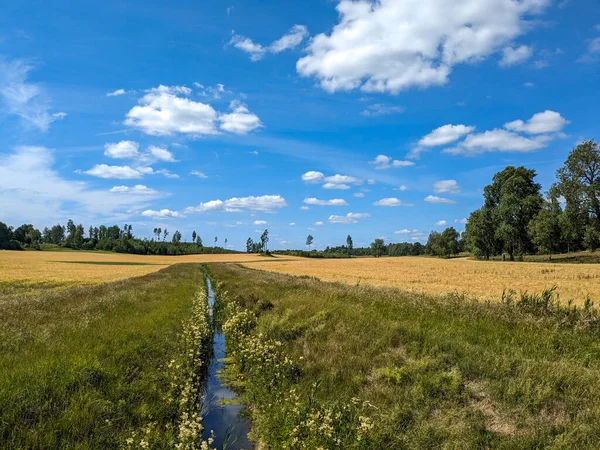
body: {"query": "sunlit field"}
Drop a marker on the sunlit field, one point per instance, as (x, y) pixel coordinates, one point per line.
(483, 280)
(26, 270)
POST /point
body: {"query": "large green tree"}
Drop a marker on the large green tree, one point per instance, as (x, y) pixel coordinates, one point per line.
(377, 248)
(481, 233)
(545, 229)
(579, 184)
(514, 199)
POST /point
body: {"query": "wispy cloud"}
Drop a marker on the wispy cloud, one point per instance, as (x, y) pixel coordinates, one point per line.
(24, 99)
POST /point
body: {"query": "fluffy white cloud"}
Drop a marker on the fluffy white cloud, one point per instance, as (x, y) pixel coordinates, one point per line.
(264, 203)
(161, 154)
(497, 140)
(348, 218)
(439, 200)
(392, 201)
(291, 39)
(337, 181)
(31, 191)
(122, 150)
(292, 224)
(304, 208)
(138, 189)
(379, 109)
(332, 202)
(512, 56)
(445, 135)
(544, 122)
(382, 162)
(116, 93)
(318, 224)
(404, 231)
(441, 223)
(340, 186)
(198, 174)
(401, 188)
(313, 177)
(392, 45)
(240, 120)
(260, 222)
(131, 150)
(545, 126)
(26, 100)
(118, 172)
(162, 214)
(358, 195)
(446, 187)
(166, 110)
(440, 136)
(461, 221)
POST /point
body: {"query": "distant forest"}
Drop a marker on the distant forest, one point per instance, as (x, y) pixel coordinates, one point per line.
(113, 238)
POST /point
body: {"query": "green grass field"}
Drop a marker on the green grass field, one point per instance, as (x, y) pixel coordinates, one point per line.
(375, 368)
(88, 367)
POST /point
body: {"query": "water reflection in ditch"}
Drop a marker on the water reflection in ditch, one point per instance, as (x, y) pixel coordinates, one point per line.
(231, 430)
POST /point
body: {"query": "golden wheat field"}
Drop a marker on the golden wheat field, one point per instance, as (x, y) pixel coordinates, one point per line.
(479, 279)
(65, 268)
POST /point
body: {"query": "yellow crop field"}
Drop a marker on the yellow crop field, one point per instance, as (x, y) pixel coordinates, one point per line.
(66, 268)
(478, 279)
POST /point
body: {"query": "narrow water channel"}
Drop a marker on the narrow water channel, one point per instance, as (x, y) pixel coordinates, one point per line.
(231, 430)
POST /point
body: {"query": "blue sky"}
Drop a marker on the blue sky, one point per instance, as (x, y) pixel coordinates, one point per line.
(375, 119)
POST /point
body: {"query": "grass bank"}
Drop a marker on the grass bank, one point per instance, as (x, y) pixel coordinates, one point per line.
(110, 366)
(337, 366)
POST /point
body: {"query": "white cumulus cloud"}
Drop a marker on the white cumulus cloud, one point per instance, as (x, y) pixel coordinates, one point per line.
(391, 202)
(391, 45)
(264, 203)
(332, 202)
(439, 200)
(240, 120)
(349, 218)
(118, 172)
(446, 187)
(162, 214)
(260, 222)
(512, 56)
(544, 122)
(441, 223)
(382, 162)
(122, 150)
(138, 189)
(167, 110)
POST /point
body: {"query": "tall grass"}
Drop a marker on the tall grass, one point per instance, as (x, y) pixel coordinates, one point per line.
(109, 366)
(424, 372)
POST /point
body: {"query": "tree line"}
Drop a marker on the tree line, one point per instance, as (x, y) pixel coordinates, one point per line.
(516, 219)
(111, 238)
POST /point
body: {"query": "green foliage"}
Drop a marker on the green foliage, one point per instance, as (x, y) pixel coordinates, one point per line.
(591, 238)
(545, 230)
(309, 241)
(443, 244)
(102, 238)
(95, 367)
(378, 248)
